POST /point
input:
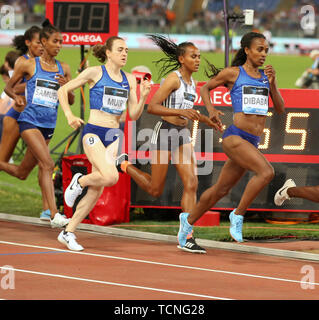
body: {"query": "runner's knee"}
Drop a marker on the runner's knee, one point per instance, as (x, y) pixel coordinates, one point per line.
(191, 184)
(46, 165)
(267, 174)
(109, 178)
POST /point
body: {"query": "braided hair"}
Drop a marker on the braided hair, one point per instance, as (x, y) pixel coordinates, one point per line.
(172, 52)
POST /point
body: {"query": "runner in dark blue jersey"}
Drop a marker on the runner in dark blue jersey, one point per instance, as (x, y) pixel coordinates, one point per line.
(37, 121)
(250, 89)
(111, 92)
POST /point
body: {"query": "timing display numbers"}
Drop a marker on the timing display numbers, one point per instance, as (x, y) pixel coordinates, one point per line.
(71, 17)
(295, 132)
(84, 22)
(300, 132)
(289, 142)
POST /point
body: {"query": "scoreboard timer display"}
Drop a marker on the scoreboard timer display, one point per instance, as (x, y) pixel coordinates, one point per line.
(290, 142)
(84, 22)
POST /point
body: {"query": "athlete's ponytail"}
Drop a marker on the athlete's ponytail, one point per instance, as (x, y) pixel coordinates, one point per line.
(212, 71)
(18, 42)
(47, 29)
(240, 57)
(99, 50)
(172, 52)
(245, 42)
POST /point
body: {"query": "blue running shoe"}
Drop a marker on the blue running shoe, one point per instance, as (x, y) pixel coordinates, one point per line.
(236, 226)
(45, 215)
(184, 229)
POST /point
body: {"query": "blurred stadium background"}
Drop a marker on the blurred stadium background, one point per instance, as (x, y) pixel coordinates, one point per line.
(280, 17)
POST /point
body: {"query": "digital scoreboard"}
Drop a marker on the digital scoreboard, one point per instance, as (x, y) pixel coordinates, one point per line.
(290, 142)
(84, 22)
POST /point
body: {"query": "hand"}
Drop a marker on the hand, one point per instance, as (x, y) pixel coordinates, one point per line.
(74, 122)
(190, 114)
(270, 73)
(20, 101)
(61, 79)
(214, 117)
(145, 88)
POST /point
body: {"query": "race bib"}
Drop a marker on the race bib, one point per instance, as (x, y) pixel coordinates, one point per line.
(45, 93)
(255, 100)
(188, 101)
(114, 100)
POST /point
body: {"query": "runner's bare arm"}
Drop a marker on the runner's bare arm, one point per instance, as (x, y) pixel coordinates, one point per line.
(135, 108)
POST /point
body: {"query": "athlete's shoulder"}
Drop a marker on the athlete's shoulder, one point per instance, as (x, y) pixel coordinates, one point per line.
(172, 78)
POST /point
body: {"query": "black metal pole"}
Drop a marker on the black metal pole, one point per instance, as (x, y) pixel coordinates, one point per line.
(80, 146)
(74, 134)
(226, 33)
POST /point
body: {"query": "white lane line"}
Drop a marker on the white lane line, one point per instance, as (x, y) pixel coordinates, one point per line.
(167, 264)
(114, 284)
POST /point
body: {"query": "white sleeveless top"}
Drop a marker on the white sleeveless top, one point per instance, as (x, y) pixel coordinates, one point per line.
(183, 97)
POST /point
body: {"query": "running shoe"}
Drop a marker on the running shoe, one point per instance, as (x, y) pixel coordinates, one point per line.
(73, 190)
(119, 160)
(184, 229)
(281, 195)
(236, 226)
(192, 246)
(69, 240)
(59, 221)
(45, 215)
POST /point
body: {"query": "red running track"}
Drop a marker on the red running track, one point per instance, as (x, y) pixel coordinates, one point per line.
(119, 268)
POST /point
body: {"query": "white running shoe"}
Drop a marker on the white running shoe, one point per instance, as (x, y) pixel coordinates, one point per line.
(59, 221)
(73, 190)
(69, 239)
(281, 195)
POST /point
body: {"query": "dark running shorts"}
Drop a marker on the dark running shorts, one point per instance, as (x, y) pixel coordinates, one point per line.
(167, 136)
(46, 132)
(106, 135)
(13, 114)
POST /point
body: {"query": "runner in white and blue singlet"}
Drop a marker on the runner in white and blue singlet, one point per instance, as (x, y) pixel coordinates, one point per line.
(171, 138)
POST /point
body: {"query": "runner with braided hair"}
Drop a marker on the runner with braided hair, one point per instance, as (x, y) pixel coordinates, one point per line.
(174, 102)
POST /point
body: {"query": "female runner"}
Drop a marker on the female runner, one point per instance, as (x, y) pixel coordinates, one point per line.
(111, 89)
(250, 88)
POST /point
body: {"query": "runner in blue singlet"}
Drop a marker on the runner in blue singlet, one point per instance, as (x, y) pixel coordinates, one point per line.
(37, 121)
(111, 91)
(29, 46)
(250, 89)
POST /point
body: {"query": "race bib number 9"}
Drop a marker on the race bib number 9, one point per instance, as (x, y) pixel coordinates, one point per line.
(114, 100)
(45, 93)
(255, 100)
